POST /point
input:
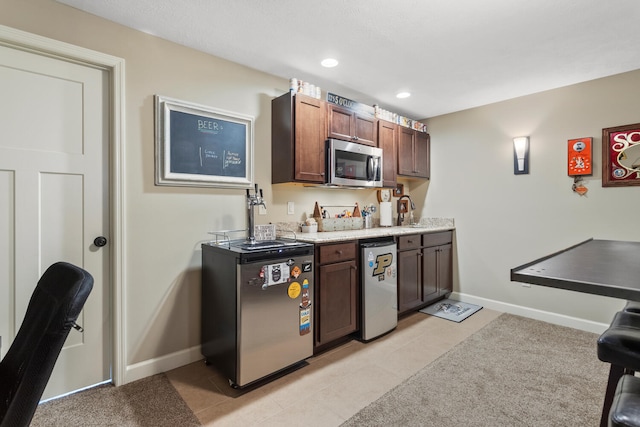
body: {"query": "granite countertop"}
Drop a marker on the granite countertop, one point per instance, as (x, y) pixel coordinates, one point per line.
(426, 225)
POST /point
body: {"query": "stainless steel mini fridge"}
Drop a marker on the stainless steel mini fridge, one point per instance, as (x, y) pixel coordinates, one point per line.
(379, 288)
(257, 318)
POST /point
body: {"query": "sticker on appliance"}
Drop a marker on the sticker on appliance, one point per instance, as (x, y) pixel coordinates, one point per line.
(307, 266)
(295, 271)
(306, 302)
(305, 320)
(383, 264)
(294, 290)
(276, 274)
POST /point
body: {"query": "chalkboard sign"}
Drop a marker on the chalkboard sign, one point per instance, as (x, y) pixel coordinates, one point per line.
(201, 146)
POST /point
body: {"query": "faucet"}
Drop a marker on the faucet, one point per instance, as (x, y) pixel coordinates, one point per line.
(253, 201)
(401, 214)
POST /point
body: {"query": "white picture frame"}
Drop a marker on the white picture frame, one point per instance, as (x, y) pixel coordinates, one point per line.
(201, 146)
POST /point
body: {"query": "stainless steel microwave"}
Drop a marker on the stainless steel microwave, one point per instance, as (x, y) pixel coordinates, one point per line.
(354, 165)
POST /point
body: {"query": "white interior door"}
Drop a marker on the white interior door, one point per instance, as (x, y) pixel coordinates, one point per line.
(54, 195)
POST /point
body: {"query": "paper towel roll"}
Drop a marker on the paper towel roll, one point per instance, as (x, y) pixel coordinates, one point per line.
(386, 216)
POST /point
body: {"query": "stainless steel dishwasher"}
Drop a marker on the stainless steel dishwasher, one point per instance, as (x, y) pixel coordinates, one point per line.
(379, 287)
(257, 308)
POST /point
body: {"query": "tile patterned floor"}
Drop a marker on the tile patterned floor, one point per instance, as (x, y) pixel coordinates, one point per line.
(334, 386)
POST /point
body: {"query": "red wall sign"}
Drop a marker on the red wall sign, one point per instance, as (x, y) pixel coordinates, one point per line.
(579, 156)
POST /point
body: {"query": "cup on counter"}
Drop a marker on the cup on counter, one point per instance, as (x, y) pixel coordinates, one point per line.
(311, 228)
(367, 221)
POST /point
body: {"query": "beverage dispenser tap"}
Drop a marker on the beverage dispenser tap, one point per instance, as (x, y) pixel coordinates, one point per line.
(253, 200)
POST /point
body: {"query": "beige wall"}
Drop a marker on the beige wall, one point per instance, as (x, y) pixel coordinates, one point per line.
(472, 180)
(164, 226)
(504, 220)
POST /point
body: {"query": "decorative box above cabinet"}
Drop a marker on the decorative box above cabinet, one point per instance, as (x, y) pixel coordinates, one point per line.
(298, 135)
(351, 126)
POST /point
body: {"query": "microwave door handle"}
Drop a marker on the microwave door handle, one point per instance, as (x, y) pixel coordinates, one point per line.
(370, 170)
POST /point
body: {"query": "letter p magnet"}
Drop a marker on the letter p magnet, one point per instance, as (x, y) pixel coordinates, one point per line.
(382, 262)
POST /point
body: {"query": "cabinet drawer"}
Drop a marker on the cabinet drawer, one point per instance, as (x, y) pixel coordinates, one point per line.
(437, 239)
(411, 241)
(338, 252)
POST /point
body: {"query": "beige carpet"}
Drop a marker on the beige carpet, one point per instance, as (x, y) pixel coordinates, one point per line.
(513, 372)
(149, 402)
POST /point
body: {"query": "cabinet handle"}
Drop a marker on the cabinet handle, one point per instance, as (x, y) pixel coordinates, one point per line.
(339, 252)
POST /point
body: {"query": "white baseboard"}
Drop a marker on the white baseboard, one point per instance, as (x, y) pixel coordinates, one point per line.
(162, 364)
(545, 316)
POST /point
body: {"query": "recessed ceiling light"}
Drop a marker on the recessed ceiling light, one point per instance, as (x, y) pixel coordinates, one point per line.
(403, 95)
(329, 62)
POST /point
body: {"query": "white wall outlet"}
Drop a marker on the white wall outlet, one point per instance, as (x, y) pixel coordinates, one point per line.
(291, 208)
(262, 210)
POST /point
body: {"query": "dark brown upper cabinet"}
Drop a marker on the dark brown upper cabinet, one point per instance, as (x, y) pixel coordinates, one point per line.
(350, 126)
(298, 135)
(413, 153)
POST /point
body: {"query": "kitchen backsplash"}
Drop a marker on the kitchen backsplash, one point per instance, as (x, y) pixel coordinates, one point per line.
(294, 226)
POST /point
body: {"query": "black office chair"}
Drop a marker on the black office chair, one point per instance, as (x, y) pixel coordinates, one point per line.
(632, 307)
(625, 409)
(619, 345)
(25, 370)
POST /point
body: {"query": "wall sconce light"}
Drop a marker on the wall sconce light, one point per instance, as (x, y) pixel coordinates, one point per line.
(521, 155)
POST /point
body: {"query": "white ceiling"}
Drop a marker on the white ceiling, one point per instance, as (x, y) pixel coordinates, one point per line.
(450, 54)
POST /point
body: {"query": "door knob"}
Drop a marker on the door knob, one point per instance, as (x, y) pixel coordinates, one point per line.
(100, 241)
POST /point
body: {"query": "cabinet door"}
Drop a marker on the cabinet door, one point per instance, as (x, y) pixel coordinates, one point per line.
(365, 131)
(405, 151)
(387, 135)
(349, 126)
(340, 123)
(413, 153)
(310, 136)
(445, 269)
(337, 301)
(409, 279)
(430, 287)
(421, 155)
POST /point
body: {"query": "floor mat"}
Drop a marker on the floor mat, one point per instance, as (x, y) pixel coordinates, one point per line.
(453, 310)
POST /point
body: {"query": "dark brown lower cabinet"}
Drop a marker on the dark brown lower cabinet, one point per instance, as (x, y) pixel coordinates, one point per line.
(336, 290)
(425, 269)
(409, 279)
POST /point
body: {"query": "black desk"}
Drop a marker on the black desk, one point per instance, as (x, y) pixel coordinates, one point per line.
(601, 267)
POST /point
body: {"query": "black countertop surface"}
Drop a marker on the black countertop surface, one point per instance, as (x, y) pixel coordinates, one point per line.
(601, 267)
